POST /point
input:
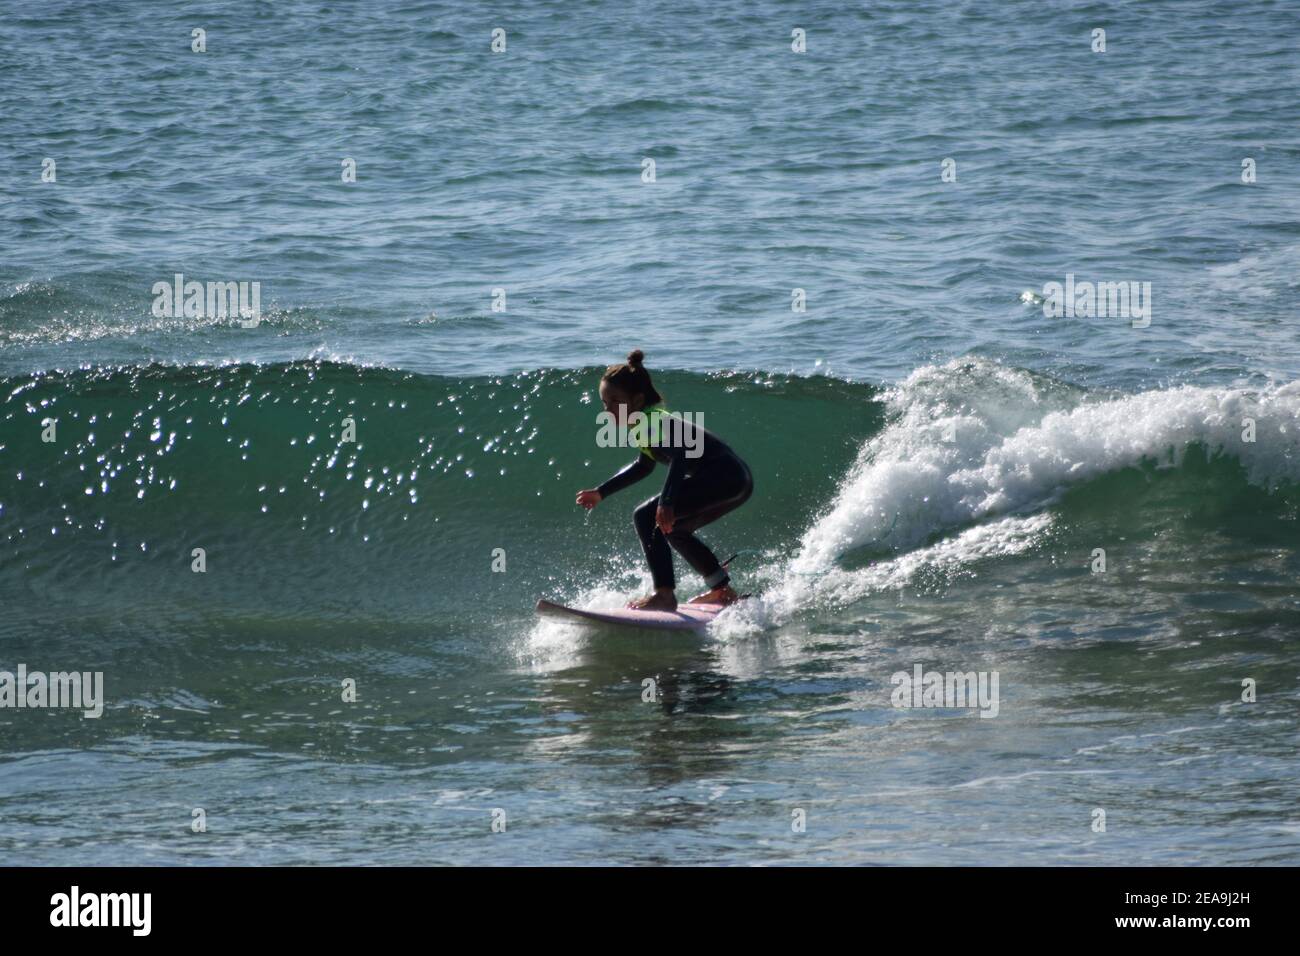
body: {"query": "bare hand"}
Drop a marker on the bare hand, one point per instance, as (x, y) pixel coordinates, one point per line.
(664, 518)
(589, 499)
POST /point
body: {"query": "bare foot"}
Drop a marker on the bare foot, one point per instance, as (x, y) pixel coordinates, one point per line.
(719, 595)
(664, 600)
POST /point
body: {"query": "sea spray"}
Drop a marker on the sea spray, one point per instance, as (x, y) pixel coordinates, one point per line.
(1003, 459)
(976, 443)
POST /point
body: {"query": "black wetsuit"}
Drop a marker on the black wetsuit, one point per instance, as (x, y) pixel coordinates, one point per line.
(699, 489)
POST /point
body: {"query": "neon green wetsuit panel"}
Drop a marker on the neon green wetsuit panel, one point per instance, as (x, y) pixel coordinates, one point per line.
(655, 414)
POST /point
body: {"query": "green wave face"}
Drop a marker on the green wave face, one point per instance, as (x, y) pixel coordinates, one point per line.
(445, 478)
(250, 463)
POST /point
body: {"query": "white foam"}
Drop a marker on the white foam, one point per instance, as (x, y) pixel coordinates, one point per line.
(792, 592)
(1016, 443)
(944, 420)
(975, 443)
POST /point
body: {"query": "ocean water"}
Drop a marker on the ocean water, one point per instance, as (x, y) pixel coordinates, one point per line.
(942, 468)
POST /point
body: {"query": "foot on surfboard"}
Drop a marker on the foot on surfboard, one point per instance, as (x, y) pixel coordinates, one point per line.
(659, 601)
(721, 595)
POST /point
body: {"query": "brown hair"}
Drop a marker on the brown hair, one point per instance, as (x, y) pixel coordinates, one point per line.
(631, 378)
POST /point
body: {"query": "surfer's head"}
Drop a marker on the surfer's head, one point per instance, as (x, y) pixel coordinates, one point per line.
(627, 388)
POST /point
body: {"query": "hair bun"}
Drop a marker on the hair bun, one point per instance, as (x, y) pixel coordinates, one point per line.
(635, 357)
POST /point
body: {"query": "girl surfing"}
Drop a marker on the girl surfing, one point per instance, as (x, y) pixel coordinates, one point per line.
(705, 480)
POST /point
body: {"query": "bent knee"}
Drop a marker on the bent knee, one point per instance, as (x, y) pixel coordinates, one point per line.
(644, 515)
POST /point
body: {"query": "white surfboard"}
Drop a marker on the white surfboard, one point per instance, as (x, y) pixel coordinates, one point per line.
(687, 617)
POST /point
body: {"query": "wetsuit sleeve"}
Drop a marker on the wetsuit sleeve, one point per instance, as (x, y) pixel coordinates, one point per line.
(630, 475)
